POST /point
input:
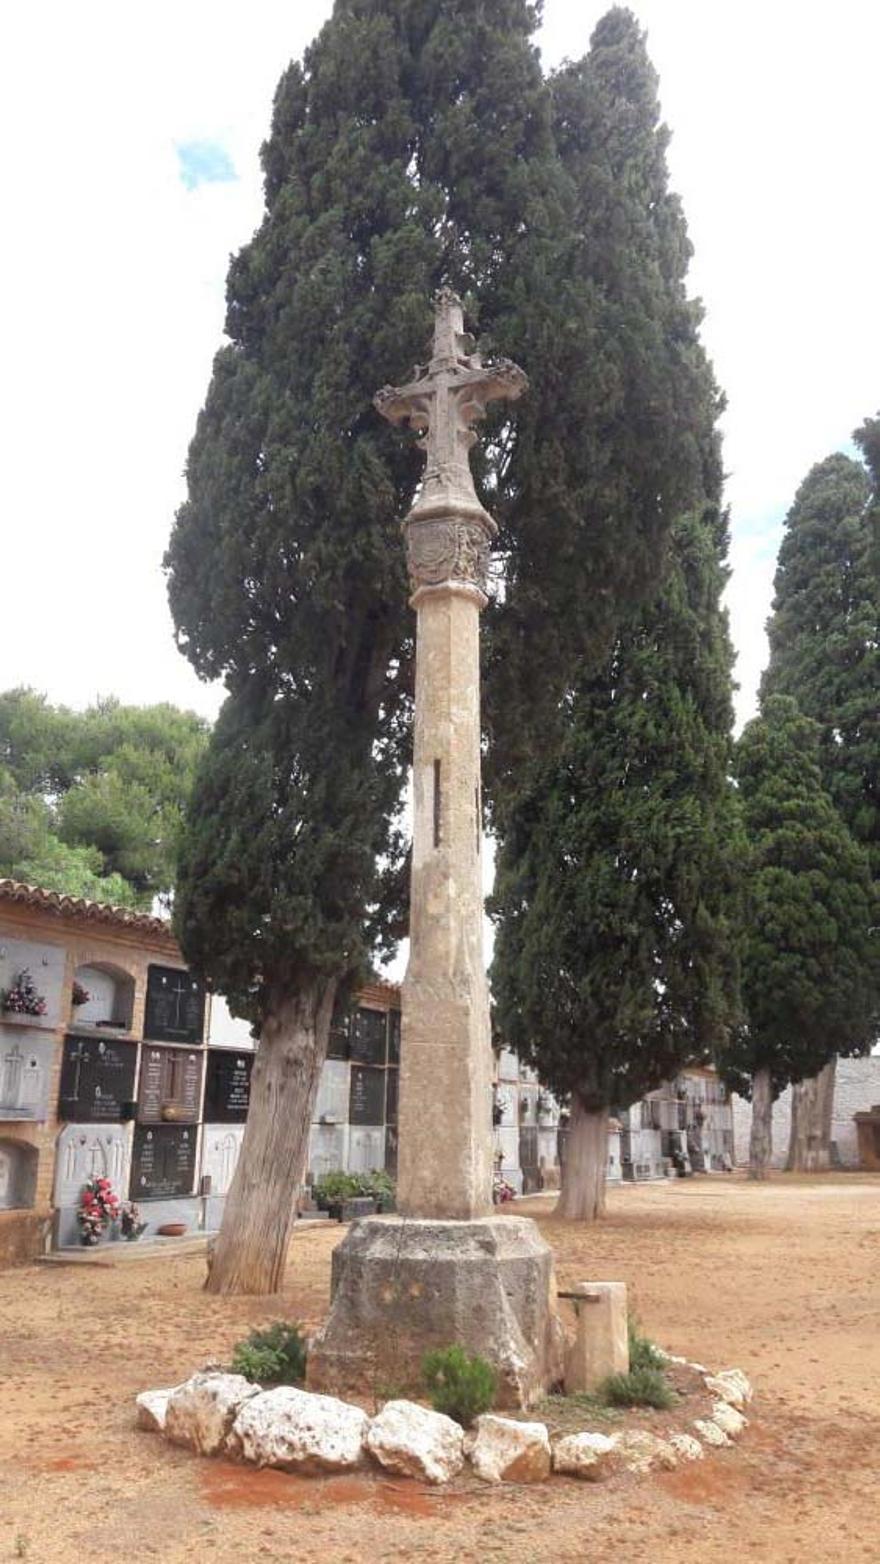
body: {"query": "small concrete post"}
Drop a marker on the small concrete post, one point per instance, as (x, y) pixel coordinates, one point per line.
(601, 1343)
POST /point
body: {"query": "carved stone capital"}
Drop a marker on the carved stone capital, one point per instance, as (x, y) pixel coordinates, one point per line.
(447, 549)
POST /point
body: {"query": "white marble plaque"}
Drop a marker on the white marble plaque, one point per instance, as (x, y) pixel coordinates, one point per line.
(327, 1146)
(331, 1104)
(45, 963)
(221, 1144)
(366, 1149)
(528, 1105)
(507, 1099)
(25, 1072)
(547, 1144)
(226, 1030)
(508, 1065)
(87, 1151)
(507, 1142)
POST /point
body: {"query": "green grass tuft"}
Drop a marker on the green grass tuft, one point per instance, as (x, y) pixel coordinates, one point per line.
(644, 1386)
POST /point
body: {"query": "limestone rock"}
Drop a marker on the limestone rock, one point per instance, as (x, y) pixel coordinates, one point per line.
(710, 1433)
(728, 1419)
(686, 1447)
(152, 1406)
(299, 1431)
(201, 1412)
(410, 1439)
(591, 1456)
(730, 1385)
(642, 1451)
(501, 1450)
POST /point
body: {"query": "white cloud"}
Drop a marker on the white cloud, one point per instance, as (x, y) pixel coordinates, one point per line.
(113, 280)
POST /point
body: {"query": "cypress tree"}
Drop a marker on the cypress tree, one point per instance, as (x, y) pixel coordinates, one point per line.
(810, 951)
(615, 962)
(415, 144)
(825, 652)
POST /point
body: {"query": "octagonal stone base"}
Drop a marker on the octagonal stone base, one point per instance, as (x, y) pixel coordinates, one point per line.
(402, 1286)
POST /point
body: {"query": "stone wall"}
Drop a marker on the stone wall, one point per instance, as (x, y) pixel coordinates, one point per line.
(857, 1087)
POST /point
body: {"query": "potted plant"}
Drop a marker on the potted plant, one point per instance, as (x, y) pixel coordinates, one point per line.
(22, 999)
(98, 1207)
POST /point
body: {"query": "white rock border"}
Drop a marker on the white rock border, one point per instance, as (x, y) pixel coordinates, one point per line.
(405, 1437)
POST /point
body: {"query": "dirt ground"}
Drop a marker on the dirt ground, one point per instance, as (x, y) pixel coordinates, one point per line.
(780, 1279)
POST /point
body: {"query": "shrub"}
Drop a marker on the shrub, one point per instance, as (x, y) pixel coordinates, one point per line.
(642, 1352)
(331, 1188)
(276, 1355)
(641, 1387)
(458, 1385)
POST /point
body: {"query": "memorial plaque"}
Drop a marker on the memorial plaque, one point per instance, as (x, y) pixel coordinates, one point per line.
(367, 1099)
(26, 1060)
(221, 1145)
(391, 1087)
(163, 1161)
(369, 1034)
(87, 1151)
(170, 1085)
(331, 1104)
(175, 1010)
(394, 1037)
(97, 1079)
(338, 1046)
(227, 1086)
(366, 1150)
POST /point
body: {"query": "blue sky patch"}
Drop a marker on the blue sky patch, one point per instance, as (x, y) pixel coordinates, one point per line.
(204, 163)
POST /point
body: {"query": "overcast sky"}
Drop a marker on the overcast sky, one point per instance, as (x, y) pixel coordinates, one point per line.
(131, 136)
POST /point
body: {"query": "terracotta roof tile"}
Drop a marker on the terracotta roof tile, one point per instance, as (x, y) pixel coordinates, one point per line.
(81, 907)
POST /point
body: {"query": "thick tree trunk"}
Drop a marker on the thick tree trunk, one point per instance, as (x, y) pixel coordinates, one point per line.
(812, 1107)
(250, 1251)
(761, 1139)
(582, 1196)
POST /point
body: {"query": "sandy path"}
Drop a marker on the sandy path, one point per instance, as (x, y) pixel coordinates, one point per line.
(781, 1279)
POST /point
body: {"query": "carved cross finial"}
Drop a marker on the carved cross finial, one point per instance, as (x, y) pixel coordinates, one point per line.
(443, 401)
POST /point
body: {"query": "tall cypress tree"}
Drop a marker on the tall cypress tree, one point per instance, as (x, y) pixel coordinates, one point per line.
(825, 652)
(810, 952)
(416, 144)
(615, 960)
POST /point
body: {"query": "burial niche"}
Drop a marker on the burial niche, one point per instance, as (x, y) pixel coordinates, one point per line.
(18, 1175)
(103, 997)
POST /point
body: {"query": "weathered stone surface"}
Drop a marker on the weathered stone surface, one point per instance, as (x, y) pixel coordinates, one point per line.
(152, 1406)
(730, 1385)
(601, 1341)
(728, 1419)
(300, 1432)
(642, 1451)
(710, 1433)
(201, 1412)
(686, 1447)
(408, 1438)
(591, 1456)
(401, 1288)
(504, 1451)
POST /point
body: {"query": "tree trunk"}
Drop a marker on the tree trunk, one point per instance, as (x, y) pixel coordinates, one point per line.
(582, 1195)
(812, 1104)
(761, 1139)
(250, 1251)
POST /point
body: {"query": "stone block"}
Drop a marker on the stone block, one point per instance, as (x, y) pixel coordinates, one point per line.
(300, 1432)
(410, 1439)
(201, 1412)
(502, 1450)
(152, 1409)
(403, 1287)
(642, 1451)
(601, 1341)
(710, 1433)
(686, 1447)
(589, 1456)
(728, 1419)
(730, 1385)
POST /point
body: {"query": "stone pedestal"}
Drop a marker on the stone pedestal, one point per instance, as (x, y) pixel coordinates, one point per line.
(601, 1342)
(401, 1288)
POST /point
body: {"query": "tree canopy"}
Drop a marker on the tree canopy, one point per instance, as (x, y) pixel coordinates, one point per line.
(810, 952)
(91, 802)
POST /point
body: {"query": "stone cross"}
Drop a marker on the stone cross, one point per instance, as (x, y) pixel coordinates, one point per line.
(445, 1135)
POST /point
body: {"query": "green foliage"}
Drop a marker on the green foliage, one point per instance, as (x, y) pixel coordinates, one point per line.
(642, 1353)
(811, 952)
(643, 1386)
(335, 1186)
(91, 802)
(275, 1355)
(615, 957)
(460, 1386)
(825, 634)
(417, 143)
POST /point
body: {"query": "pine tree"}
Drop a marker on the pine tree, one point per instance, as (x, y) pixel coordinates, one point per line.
(825, 652)
(810, 951)
(615, 962)
(416, 144)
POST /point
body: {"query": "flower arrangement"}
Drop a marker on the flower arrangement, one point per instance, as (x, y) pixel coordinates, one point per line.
(501, 1190)
(22, 998)
(130, 1220)
(98, 1206)
(80, 996)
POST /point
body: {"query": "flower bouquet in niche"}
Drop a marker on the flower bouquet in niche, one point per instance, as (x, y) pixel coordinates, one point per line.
(21, 998)
(130, 1221)
(98, 1207)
